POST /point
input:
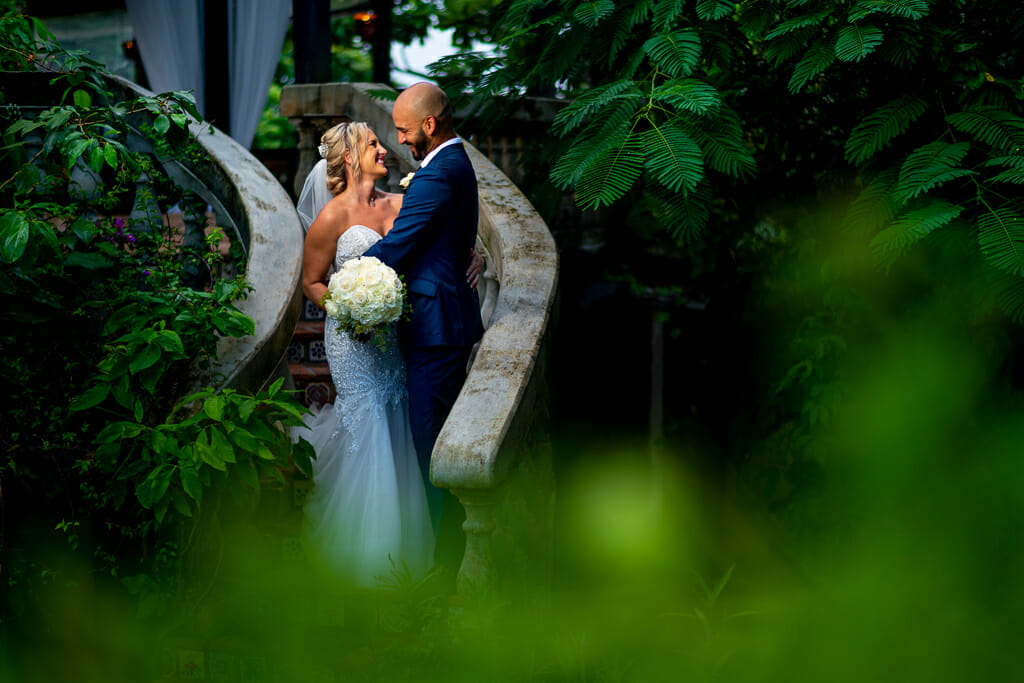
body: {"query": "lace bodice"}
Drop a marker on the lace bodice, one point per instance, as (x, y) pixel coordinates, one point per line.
(362, 372)
(353, 242)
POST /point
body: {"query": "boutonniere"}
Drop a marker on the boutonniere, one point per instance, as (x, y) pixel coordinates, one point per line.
(404, 182)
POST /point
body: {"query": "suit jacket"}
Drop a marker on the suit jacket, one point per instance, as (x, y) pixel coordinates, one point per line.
(430, 245)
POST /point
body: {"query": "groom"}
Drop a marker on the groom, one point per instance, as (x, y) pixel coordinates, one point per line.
(430, 245)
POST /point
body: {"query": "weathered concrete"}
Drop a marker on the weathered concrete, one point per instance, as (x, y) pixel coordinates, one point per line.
(493, 451)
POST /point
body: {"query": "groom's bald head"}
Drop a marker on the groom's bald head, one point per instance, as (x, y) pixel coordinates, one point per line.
(423, 118)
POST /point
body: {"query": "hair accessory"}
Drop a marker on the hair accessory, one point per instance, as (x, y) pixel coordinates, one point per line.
(323, 150)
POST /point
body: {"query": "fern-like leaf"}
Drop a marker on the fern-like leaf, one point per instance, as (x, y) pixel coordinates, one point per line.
(856, 42)
(1010, 297)
(666, 12)
(805, 21)
(689, 95)
(593, 100)
(873, 208)
(880, 127)
(928, 167)
(789, 46)
(593, 12)
(818, 58)
(1001, 237)
(623, 23)
(911, 228)
(902, 46)
(995, 127)
(675, 53)
(908, 9)
(608, 129)
(683, 215)
(1011, 175)
(713, 10)
(611, 174)
(673, 158)
(721, 140)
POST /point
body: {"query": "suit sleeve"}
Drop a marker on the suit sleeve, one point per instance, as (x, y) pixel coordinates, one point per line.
(418, 222)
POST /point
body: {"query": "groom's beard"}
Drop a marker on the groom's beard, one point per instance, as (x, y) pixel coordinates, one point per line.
(419, 145)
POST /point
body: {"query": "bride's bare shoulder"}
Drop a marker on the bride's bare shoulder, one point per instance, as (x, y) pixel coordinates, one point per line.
(333, 219)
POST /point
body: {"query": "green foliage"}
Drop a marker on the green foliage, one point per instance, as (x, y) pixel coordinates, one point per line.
(108, 320)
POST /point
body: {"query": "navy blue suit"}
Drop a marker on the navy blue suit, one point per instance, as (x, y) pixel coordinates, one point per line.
(430, 245)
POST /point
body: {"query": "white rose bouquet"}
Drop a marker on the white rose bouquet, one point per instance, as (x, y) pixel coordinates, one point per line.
(364, 297)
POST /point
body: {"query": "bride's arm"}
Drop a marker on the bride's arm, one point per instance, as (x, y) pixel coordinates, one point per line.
(317, 254)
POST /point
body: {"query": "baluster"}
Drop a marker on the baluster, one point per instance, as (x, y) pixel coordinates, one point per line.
(478, 569)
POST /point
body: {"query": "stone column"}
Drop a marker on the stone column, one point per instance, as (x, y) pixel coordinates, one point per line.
(478, 567)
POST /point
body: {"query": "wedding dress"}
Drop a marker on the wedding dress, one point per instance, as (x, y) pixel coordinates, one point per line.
(367, 512)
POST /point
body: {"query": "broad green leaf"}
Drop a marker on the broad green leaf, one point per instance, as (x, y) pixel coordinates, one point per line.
(190, 482)
(246, 408)
(96, 158)
(162, 124)
(214, 407)
(75, 151)
(14, 233)
(92, 396)
(211, 457)
(673, 158)
(83, 100)
(143, 357)
(246, 472)
(110, 155)
(275, 387)
(219, 442)
(302, 456)
(244, 439)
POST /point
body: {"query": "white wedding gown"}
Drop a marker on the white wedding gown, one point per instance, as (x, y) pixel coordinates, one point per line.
(367, 512)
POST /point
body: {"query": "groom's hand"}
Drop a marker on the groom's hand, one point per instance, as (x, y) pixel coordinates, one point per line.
(476, 268)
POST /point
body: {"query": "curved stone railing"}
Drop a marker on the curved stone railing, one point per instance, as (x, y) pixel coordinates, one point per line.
(493, 452)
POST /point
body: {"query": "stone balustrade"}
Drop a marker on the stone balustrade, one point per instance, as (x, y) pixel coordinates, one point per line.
(493, 452)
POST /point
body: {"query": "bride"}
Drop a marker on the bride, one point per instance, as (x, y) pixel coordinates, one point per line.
(367, 512)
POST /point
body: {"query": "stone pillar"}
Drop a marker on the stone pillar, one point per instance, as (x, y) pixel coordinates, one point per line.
(309, 128)
(478, 567)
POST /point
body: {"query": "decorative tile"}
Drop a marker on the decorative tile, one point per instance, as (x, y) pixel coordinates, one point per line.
(317, 393)
(317, 351)
(300, 491)
(311, 311)
(296, 352)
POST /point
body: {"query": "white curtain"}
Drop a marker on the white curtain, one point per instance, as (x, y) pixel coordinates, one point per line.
(170, 35)
(256, 30)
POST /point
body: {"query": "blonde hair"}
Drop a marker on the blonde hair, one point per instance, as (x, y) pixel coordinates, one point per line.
(348, 136)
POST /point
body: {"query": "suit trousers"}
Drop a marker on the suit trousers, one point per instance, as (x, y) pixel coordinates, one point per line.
(435, 375)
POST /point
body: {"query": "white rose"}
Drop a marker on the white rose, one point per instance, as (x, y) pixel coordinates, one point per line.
(373, 277)
(358, 298)
(332, 308)
(404, 182)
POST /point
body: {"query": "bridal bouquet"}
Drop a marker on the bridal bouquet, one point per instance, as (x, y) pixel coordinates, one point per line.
(364, 297)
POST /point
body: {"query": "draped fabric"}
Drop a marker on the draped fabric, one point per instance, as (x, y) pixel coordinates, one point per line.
(170, 37)
(256, 30)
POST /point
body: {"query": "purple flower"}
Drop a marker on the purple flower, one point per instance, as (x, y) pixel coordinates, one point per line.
(118, 223)
(131, 238)
(146, 273)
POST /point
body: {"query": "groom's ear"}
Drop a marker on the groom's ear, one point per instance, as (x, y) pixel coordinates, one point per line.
(430, 125)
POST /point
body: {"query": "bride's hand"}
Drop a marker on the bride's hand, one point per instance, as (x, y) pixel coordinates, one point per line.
(476, 268)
